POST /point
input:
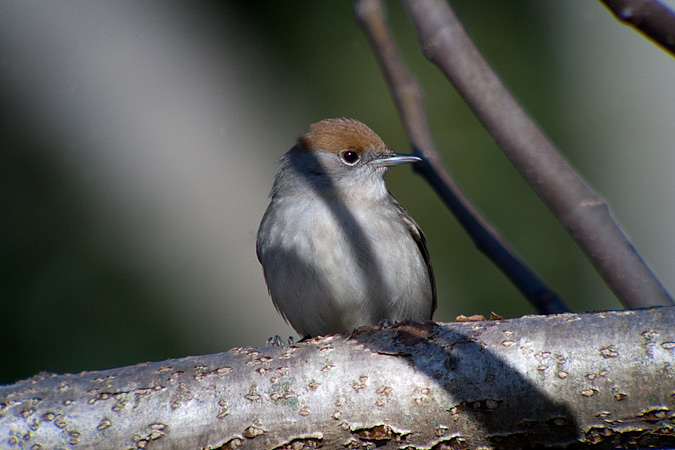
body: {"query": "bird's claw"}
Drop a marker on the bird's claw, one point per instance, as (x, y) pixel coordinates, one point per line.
(276, 341)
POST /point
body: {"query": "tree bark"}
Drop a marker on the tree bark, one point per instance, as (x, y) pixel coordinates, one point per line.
(605, 380)
(650, 17)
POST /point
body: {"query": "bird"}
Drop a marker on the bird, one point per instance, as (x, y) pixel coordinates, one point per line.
(338, 252)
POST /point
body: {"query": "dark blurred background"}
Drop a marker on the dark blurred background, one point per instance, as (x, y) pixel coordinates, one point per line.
(139, 141)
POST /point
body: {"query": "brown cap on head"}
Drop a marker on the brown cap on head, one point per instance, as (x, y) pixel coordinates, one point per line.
(335, 135)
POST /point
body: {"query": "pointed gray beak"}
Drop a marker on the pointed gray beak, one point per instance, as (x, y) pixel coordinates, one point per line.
(394, 159)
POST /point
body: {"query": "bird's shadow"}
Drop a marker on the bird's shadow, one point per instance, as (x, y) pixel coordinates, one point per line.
(485, 390)
(324, 188)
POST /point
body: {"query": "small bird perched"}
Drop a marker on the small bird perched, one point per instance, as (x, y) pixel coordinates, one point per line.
(337, 250)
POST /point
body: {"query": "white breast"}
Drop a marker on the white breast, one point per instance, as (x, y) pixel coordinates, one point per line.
(328, 275)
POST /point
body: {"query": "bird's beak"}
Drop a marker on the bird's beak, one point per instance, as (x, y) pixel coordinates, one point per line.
(394, 159)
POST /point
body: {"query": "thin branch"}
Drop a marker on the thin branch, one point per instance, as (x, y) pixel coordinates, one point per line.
(495, 384)
(371, 16)
(650, 17)
(584, 215)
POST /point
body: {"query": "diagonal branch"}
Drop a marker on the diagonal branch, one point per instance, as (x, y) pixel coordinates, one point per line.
(650, 17)
(371, 16)
(584, 215)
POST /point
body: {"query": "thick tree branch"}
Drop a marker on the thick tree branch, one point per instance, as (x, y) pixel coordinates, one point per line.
(650, 17)
(605, 380)
(408, 97)
(584, 215)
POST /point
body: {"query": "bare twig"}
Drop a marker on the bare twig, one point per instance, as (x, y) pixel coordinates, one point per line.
(584, 215)
(371, 15)
(650, 17)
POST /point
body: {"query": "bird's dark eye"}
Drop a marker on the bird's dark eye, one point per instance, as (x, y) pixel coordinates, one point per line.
(349, 157)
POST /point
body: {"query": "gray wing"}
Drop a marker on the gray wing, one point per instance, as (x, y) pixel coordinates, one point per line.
(421, 242)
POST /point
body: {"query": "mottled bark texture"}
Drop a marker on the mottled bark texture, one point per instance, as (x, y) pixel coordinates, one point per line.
(601, 380)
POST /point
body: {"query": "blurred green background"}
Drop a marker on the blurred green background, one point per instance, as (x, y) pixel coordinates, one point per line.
(139, 141)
